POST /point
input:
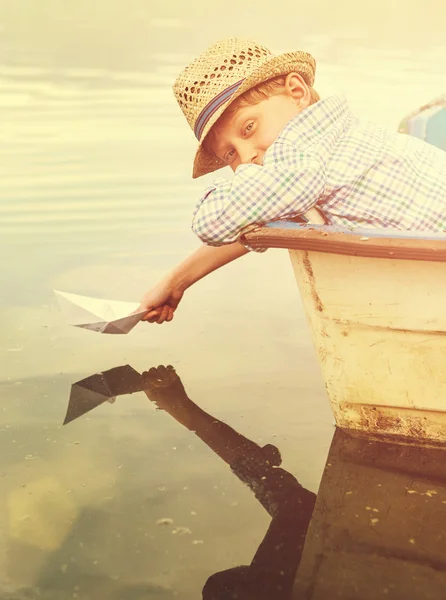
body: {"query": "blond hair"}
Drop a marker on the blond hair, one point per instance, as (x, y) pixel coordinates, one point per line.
(262, 91)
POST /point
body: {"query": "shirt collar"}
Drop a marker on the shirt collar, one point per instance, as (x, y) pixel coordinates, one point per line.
(315, 120)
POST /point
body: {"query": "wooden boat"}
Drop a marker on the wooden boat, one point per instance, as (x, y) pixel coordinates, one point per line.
(376, 305)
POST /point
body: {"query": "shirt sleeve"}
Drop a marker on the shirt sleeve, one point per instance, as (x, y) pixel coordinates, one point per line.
(258, 195)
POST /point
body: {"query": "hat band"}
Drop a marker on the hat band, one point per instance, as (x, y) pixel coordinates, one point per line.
(212, 106)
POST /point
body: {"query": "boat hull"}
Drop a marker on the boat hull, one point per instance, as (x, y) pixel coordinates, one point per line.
(379, 328)
(376, 304)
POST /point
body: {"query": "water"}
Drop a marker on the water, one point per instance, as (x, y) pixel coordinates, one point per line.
(96, 198)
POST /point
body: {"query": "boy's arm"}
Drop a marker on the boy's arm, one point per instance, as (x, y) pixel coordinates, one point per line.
(259, 194)
(164, 298)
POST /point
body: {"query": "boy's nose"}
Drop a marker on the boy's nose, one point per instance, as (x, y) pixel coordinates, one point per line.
(248, 156)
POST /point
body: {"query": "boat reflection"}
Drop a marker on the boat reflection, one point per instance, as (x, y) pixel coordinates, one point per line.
(376, 529)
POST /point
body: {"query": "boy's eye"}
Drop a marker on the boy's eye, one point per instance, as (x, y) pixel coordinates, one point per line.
(229, 156)
(249, 127)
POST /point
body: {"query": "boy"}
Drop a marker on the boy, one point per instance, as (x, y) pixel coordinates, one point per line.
(293, 155)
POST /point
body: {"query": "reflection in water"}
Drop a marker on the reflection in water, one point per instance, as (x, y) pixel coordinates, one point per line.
(272, 571)
(101, 387)
(377, 529)
(273, 568)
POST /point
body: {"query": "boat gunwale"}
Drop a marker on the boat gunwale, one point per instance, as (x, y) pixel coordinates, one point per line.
(367, 243)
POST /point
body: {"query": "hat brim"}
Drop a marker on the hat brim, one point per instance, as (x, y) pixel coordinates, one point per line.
(299, 62)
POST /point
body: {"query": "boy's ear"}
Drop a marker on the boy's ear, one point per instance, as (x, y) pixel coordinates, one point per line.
(298, 89)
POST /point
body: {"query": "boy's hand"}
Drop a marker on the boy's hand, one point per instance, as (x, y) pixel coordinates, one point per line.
(163, 300)
(163, 387)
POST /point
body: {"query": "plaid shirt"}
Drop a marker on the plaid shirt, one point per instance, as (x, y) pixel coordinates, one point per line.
(355, 173)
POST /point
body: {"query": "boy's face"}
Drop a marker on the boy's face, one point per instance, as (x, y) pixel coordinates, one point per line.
(245, 136)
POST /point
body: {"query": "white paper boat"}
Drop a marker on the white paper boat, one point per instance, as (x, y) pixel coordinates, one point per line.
(104, 316)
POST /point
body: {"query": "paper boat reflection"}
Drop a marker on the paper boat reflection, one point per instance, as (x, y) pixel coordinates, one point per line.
(88, 393)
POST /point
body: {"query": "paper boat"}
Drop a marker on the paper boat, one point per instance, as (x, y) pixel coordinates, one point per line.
(104, 316)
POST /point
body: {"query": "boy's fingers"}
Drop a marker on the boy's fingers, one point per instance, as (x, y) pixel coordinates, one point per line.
(159, 315)
(164, 314)
(154, 319)
(152, 315)
(151, 319)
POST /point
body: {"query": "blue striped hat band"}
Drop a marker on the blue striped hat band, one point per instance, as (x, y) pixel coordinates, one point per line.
(214, 105)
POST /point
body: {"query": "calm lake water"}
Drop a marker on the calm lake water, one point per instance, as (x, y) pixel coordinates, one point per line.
(96, 198)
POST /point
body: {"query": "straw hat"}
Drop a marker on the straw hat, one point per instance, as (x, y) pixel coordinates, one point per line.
(227, 69)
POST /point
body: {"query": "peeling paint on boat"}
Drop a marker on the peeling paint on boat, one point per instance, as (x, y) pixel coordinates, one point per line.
(378, 323)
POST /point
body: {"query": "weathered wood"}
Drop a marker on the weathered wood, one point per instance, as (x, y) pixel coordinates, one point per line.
(366, 243)
(377, 311)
